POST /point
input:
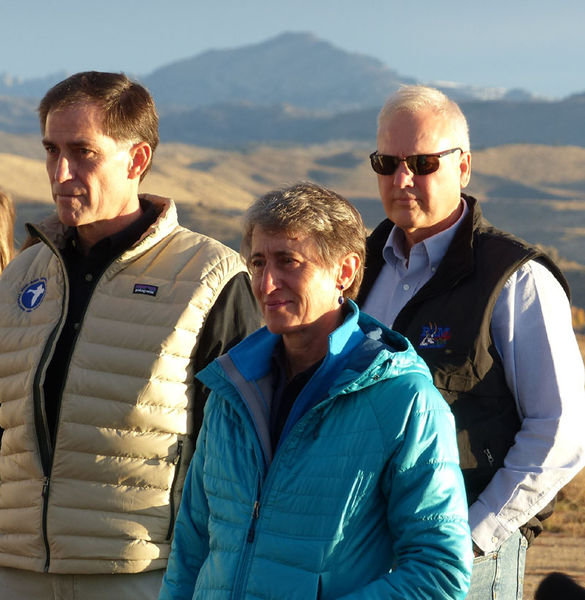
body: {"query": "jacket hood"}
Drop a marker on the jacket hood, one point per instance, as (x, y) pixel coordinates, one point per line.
(362, 351)
(382, 354)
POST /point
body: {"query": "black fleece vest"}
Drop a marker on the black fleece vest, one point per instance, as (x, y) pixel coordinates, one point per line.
(448, 323)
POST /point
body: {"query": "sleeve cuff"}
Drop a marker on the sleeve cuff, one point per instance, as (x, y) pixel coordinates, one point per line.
(486, 531)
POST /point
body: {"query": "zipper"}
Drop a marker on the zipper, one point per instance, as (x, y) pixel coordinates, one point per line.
(40, 416)
(45, 495)
(244, 565)
(255, 515)
(46, 448)
(39, 413)
(41, 424)
(263, 485)
(264, 480)
(177, 463)
(489, 456)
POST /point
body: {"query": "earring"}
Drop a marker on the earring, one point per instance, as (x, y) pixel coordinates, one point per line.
(341, 299)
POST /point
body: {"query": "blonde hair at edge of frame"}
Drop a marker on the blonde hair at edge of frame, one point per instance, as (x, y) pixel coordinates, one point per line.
(418, 98)
(6, 230)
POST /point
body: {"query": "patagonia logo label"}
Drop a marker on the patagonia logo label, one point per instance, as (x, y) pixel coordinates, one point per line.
(433, 336)
(32, 294)
(144, 288)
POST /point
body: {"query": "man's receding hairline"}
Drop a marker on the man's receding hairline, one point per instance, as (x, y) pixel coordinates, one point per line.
(446, 118)
(101, 118)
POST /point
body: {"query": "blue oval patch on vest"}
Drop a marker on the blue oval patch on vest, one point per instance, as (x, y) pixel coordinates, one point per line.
(32, 294)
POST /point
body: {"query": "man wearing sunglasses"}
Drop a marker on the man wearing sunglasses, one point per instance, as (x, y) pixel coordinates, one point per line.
(490, 315)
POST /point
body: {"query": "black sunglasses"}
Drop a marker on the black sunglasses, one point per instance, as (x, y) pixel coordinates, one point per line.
(419, 164)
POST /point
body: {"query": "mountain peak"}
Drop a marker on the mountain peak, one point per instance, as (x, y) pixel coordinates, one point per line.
(297, 68)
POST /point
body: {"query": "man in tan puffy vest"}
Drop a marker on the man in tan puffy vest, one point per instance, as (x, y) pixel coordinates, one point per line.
(103, 324)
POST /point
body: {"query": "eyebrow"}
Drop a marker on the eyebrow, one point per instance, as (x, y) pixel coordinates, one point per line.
(74, 144)
(277, 253)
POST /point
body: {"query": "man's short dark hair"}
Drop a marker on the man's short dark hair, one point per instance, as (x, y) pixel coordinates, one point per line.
(129, 112)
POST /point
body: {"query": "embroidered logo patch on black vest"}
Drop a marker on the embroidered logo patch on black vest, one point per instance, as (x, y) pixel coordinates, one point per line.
(433, 336)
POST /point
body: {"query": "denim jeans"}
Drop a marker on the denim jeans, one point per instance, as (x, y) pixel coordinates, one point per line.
(499, 575)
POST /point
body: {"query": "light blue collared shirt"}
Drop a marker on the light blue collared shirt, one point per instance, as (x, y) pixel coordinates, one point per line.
(532, 331)
(401, 277)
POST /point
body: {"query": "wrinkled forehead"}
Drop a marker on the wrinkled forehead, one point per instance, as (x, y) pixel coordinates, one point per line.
(71, 108)
(422, 132)
(279, 236)
(284, 240)
(77, 122)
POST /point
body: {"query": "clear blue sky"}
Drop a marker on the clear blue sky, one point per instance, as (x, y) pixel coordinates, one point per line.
(537, 45)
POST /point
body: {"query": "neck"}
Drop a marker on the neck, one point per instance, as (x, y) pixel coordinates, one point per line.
(91, 233)
(298, 360)
(304, 347)
(415, 236)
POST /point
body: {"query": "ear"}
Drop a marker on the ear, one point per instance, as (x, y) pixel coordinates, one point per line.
(465, 168)
(140, 155)
(349, 266)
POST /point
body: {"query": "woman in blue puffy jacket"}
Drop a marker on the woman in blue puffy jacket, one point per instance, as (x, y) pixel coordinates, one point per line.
(327, 465)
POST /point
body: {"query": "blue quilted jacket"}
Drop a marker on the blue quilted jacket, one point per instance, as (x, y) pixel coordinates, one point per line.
(363, 497)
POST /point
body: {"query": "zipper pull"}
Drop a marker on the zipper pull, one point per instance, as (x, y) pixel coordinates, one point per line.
(179, 452)
(489, 456)
(255, 515)
(45, 491)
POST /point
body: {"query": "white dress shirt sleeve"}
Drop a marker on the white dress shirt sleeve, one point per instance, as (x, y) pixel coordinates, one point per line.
(533, 333)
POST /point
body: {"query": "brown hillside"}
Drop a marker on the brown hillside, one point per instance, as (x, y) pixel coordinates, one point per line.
(538, 192)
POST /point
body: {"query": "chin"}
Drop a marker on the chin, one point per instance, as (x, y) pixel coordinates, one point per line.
(279, 326)
(68, 219)
(276, 328)
(68, 215)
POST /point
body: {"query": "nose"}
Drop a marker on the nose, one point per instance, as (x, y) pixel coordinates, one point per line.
(268, 283)
(63, 171)
(403, 176)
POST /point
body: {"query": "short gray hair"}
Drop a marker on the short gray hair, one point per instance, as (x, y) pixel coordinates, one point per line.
(329, 219)
(417, 98)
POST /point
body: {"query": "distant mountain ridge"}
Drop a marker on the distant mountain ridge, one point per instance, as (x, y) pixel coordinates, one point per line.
(18, 115)
(296, 88)
(297, 69)
(28, 88)
(294, 68)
